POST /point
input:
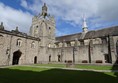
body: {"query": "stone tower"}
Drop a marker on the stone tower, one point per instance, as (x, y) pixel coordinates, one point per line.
(43, 27)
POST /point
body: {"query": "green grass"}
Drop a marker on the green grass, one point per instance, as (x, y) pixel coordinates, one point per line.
(96, 67)
(51, 65)
(21, 74)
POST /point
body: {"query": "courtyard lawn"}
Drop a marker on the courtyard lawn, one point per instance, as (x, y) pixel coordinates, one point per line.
(83, 66)
(22, 74)
(97, 67)
(51, 65)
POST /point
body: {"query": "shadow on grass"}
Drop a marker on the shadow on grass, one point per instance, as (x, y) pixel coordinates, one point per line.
(115, 67)
(54, 76)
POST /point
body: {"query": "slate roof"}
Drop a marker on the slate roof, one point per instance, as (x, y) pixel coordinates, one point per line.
(90, 34)
(68, 37)
(19, 34)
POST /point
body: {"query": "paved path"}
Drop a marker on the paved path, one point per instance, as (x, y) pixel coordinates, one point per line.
(64, 68)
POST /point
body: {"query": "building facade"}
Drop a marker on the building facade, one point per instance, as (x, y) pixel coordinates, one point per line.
(42, 46)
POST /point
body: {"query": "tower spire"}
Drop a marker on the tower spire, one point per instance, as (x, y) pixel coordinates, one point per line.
(84, 27)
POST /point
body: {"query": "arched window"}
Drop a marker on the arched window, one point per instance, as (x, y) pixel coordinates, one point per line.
(19, 42)
(117, 47)
(33, 44)
(49, 45)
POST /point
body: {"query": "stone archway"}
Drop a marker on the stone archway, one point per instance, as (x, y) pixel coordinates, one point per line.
(16, 57)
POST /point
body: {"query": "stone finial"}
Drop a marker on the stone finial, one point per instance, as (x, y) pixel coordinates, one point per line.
(17, 29)
(44, 4)
(2, 26)
(44, 10)
(1, 23)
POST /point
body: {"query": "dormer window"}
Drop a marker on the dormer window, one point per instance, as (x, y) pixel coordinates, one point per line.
(19, 42)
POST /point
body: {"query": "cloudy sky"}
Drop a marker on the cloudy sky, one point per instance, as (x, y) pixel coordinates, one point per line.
(68, 14)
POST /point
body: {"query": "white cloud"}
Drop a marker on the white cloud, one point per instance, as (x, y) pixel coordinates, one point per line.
(24, 4)
(59, 33)
(72, 10)
(12, 18)
(35, 7)
(108, 10)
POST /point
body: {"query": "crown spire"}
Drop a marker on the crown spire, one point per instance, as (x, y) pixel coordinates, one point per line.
(44, 10)
(85, 27)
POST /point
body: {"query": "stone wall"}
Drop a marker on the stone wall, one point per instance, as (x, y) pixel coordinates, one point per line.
(80, 54)
(97, 53)
(8, 46)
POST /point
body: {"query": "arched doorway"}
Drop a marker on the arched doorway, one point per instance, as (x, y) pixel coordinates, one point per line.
(59, 58)
(50, 58)
(117, 48)
(16, 56)
(107, 60)
(35, 60)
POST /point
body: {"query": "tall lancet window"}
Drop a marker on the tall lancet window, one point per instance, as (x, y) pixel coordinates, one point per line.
(19, 42)
(33, 44)
(36, 31)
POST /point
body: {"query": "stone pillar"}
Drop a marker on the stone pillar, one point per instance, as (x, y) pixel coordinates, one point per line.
(111, 50)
